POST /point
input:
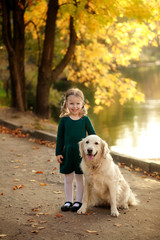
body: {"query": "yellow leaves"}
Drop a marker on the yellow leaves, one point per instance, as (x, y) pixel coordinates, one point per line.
(97, 109)
(138, 10)
(37, 14)
(97, 61)
(155, 43)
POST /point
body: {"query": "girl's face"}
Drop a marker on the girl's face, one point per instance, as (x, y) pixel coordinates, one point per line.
(74, 105)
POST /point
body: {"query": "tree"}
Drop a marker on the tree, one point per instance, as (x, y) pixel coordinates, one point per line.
(13, 35)
(97, 36)
(46, 74)
(93, 16)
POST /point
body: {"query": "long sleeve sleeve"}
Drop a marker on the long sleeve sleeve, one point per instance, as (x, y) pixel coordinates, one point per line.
(89, 127)
(60, 137)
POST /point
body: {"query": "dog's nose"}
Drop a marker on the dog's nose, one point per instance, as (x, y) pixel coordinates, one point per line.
(89, 150)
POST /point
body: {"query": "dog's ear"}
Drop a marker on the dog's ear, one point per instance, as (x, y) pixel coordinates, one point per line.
(81, 144)
(105, 149)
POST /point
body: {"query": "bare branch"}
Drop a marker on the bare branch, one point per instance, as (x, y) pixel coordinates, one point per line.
(71, 48)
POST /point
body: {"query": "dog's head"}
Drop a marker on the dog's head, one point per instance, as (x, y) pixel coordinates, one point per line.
(92, 147)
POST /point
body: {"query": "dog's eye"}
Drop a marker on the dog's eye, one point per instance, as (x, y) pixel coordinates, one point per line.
(96, 143)
(87, 142)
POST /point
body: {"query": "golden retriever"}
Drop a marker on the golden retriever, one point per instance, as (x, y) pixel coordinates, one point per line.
(104, 183)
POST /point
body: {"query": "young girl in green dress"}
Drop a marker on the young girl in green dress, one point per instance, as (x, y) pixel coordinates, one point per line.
(73, 127)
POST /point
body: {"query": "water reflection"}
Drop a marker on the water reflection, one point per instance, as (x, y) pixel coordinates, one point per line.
(141, 139)
(134, 129)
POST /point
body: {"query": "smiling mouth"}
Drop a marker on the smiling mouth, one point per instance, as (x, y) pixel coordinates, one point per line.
(90, 156)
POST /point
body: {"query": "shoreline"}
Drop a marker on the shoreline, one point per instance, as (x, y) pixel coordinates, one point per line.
(148, 165)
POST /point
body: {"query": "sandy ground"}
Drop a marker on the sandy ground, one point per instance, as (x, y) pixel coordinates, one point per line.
(27, 120)
(32, 192)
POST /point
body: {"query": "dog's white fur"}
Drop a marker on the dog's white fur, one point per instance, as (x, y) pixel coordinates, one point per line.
(104, 183)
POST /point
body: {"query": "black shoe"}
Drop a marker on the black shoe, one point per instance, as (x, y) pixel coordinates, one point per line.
(66, 208)
(76, 208)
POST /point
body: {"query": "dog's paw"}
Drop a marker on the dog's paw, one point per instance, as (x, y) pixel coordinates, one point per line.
(114, 213)
(82, 210)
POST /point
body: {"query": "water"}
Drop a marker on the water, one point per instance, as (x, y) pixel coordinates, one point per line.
(134, 129)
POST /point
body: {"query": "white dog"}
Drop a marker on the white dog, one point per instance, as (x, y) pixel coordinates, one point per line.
(104, 183)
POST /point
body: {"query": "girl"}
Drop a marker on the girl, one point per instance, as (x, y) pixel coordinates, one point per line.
(72, 128)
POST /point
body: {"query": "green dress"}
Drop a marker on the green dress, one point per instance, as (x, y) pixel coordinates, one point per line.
(70, 132)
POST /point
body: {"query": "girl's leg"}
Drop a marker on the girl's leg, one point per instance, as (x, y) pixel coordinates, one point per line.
(80, 187)
(68, 184)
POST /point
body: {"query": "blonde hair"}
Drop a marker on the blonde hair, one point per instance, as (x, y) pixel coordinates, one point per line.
(77, 93)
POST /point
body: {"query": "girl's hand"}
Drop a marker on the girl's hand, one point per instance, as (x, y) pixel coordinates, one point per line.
(59, 157)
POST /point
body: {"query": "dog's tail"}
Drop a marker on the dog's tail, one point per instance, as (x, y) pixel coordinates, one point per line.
(133, 199)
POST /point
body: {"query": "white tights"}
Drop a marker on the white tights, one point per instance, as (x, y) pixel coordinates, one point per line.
(68, 184)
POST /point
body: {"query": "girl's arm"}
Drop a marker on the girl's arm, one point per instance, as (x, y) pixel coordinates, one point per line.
(60, 137)
(89, 126)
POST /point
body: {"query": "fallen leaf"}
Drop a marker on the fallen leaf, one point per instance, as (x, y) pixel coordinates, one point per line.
(35, 209)
(158, 177)
(16, 180)
(39, 172)
(35, 231)
(91, 231)
(19, 155)
(54, 168)
(18, 187)
(117, 224)
(41, 213)
(2, 194)
(3, 235)
(143, 176)
(122, 165)
(41, 222)
(40, 228)
(35, 147)
(34, 225)
(59, 215)
(31, 220)
(43, 184)
(138, 169)
(57, 192)
(88, 213)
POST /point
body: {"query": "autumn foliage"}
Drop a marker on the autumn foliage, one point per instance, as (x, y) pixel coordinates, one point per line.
(88, 41)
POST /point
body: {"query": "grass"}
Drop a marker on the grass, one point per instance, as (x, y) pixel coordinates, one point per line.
(4, 100)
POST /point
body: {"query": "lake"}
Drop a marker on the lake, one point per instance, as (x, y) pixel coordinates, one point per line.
(134, 129)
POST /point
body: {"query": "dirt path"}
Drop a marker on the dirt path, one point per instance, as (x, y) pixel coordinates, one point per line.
(32, 210)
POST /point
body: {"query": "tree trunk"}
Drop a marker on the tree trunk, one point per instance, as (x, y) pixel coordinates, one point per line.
(13, 35)
(46, 74)
(45, 69)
